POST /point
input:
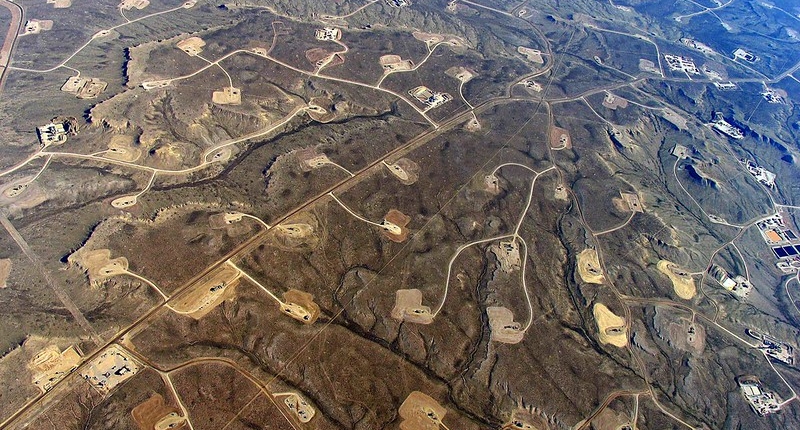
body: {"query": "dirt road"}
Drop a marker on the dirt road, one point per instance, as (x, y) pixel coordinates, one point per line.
(60, 293)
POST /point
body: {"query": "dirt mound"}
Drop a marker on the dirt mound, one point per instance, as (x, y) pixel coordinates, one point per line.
(155, 414)
(123, 148)
(300, 306)
(22, 194)
(473, 125)
(310, 159)
(207, 292)
(682, 281)
(560, 193)
(507, 254)
(51, 365)
(192, 45)
(299, 232)
(299, 407)
(395, 63)
(99, 264)
(408, 307)
(559, 138)
(405, 170)
(397, 222)
(502, 325)
(532, 55)
(5, 270)
(227, 96)
(589, 267)
(491, 183)
(322, 109)
(460, 73)
(421, 412)
(613, 102)
(315, 55)
(230, 222)
(611, 328)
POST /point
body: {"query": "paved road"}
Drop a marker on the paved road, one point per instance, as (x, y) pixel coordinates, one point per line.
(11, 37)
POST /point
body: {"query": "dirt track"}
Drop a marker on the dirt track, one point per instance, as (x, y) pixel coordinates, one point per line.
(11, 37)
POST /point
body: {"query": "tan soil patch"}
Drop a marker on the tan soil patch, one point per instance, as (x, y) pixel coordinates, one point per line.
(531, 86)
(153, 85)
(491, 183)
(559, 138)
(648, 66)
(298, 232)
(84, 88)
(35, 26)
(99, 264)
(122, 148)
(124, 202)
(230, 222)
(192, 46)
(613, 102)
(507, 254)
(221, 155)
(51, 365)
(208, 292)
(460, 73)
(300, 306)
(23, 193)
(60, 4)
(610, 327)
(227, 96)
(321, 109)
(93, 88)
(105, 372)
(169, 154)
(335, 60)
(395, 218)
(5, 270)
(502, 325)
(533, 55)
(299, 407)
(633, 202)
(395, 63)
(155, 414)
(687, 336)
(310, 159)
(429, 38)
(560, 193)
(130, 4)
(315, 55)
(408, 307)
(609, 419)
(405, 170)
(589, 267)
(224, 219)
(682, 281)
(673, 117)
(320, 57)
(420, 412)
(473, 125)
(15, 190)
(620, 205)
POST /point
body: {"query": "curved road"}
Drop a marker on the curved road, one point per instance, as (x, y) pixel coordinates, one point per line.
(11, 38)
